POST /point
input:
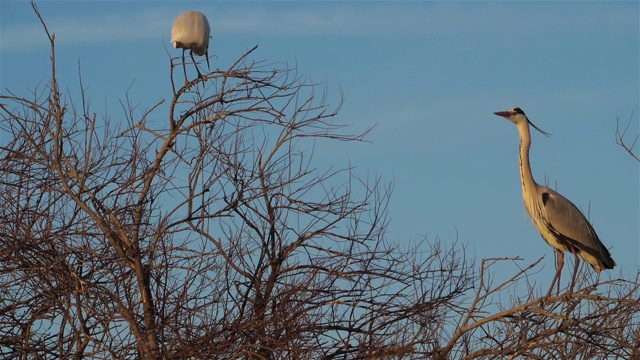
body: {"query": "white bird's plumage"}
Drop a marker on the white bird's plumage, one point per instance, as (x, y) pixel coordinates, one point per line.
(191, 32)
(561, 224)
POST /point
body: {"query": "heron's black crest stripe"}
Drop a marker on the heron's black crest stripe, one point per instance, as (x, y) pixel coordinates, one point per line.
(518, 111)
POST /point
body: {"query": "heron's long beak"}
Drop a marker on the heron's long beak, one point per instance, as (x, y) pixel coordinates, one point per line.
(508, 113)
(503, 113)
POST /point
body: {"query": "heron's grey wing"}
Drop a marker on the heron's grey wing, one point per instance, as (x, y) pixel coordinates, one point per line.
(569, 222)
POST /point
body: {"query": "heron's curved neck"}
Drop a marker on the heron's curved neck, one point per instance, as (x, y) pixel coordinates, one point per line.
(528, 184)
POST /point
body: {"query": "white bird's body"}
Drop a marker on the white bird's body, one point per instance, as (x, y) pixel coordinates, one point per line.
(191, 32)
(561, 224)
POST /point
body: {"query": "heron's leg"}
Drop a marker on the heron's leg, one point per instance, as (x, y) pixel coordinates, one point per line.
(558, 275)
(184, 68)
(575, 268)
(195, 64)
(558, 271)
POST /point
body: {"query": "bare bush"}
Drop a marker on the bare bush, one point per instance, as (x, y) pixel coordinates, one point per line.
(214, 235)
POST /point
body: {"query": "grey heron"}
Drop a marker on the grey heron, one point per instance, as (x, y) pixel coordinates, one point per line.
(561, 224)
(191, 31)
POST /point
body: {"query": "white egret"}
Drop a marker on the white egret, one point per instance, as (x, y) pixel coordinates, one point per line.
(191, 31)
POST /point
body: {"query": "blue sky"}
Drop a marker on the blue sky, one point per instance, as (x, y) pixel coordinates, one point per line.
(428, 75)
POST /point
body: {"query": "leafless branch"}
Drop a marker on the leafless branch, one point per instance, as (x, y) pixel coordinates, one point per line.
(623, 141)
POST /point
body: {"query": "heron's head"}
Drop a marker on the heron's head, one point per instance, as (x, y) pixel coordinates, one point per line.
(517, 116)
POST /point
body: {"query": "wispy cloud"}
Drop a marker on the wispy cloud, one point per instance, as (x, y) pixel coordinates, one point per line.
(437, 18)
(311, 19)
(337, 19)
(88, 29)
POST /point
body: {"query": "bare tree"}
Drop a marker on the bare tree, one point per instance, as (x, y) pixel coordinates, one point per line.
(212, 234)
(600, 320)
